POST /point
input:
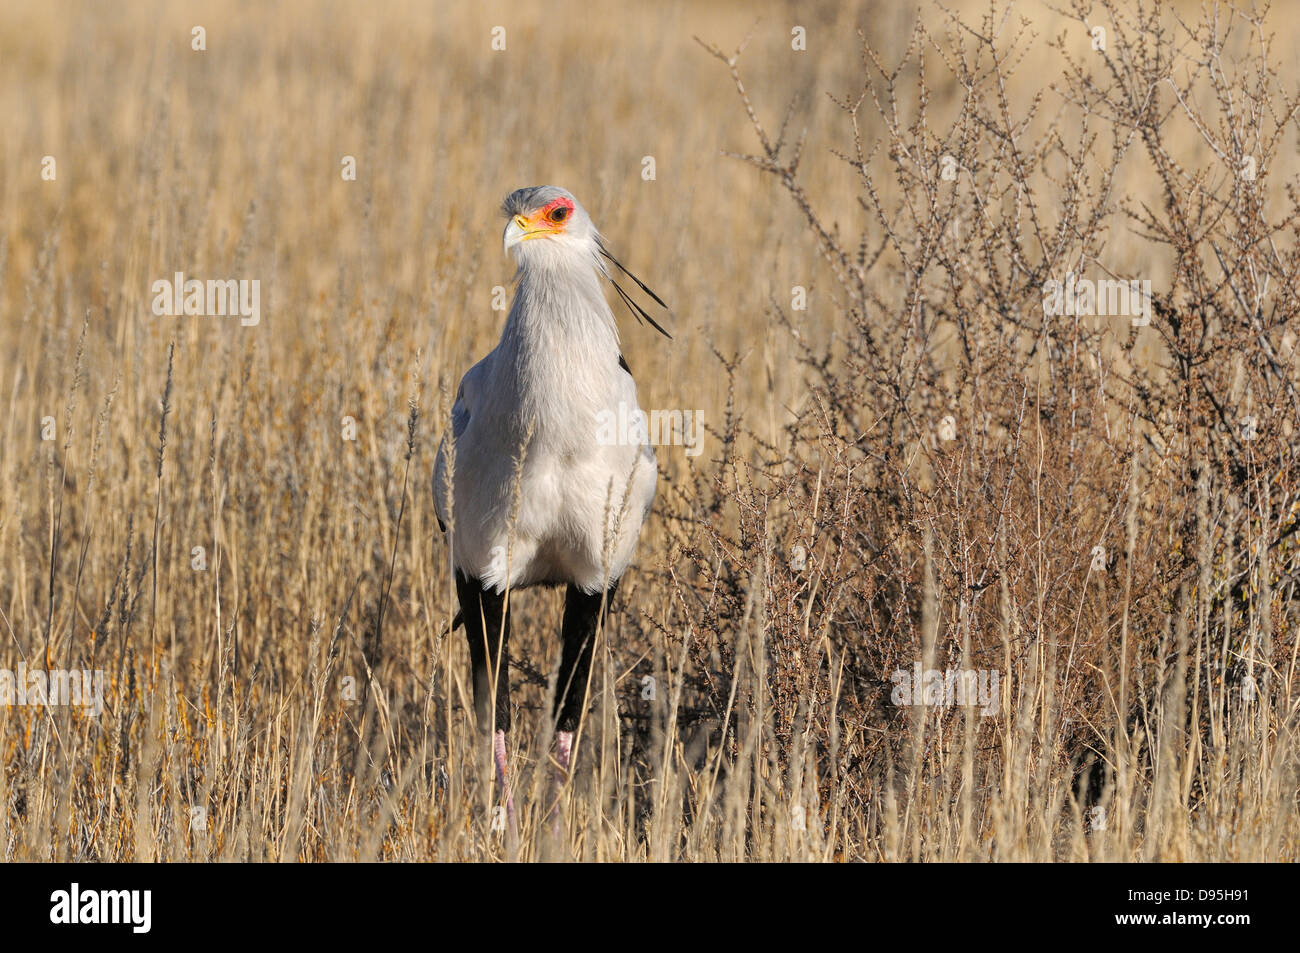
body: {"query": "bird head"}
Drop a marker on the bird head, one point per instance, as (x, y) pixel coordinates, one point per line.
(547, 228)
(550, 216)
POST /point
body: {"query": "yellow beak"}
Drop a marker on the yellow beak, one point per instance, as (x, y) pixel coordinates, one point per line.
(518, 230)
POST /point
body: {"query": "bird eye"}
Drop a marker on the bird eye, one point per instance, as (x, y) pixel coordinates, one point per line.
(559, 213)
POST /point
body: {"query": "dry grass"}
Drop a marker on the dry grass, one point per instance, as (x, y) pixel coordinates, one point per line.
(302, 697)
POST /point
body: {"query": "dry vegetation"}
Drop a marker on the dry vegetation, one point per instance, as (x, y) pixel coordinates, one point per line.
(835, 529)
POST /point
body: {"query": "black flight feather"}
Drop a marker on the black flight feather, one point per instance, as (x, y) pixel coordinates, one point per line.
(637, 310)
(639, 283)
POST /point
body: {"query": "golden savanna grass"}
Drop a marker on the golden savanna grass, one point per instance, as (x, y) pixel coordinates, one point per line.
(918, 468)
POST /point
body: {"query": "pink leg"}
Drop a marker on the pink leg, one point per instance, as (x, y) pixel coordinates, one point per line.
(563, 755)
(563, 748)
(499, 756)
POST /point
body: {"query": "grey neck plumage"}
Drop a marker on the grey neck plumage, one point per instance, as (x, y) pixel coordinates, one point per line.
(559, 349)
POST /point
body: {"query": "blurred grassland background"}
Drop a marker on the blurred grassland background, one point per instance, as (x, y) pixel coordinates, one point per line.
(229, 733)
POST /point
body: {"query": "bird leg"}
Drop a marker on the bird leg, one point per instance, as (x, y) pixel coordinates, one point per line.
(563, 747)
(582, 618)
(487, 629)
(499, 757)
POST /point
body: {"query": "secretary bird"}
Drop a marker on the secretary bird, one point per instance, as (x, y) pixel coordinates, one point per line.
(531, 495)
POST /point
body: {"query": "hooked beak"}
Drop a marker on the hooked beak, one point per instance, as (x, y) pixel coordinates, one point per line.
(518, 230)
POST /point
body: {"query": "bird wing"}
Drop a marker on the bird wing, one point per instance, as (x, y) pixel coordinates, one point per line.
(647, 474)
(461, 413)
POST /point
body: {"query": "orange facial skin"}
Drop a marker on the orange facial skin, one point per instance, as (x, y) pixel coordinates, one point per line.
(551, 219)
(552, 216)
